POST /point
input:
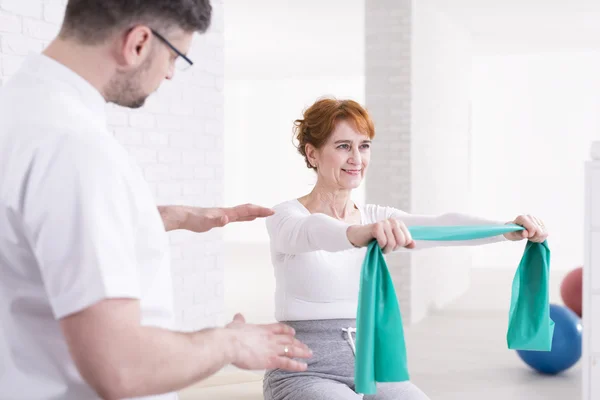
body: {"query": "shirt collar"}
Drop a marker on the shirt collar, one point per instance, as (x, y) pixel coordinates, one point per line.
(45, 67)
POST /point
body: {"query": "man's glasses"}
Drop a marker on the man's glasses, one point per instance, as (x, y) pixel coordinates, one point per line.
(182, 62)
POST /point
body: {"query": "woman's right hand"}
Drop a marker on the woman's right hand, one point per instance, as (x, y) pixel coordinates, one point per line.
(390, 234)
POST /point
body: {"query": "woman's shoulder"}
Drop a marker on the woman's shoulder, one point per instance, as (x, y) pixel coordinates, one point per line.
(284, 211)
(287, 208)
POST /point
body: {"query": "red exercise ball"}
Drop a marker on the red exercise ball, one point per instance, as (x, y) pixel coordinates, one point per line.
(571, 290)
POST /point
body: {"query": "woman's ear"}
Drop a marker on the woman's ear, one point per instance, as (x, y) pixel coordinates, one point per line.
(311, 154)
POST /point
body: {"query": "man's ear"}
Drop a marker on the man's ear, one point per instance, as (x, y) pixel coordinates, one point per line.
(135, 47)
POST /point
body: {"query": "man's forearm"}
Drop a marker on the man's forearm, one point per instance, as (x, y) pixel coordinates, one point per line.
(157, 361)
(167, 361)
(121, 359)
(174, 217)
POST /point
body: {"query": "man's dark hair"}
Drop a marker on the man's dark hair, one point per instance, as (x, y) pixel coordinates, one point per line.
(93, 21)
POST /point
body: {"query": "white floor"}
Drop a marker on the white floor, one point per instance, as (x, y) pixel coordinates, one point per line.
(457, 354)
(461, 353)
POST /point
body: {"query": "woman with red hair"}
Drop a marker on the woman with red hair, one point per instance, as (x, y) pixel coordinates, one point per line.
(318, 244)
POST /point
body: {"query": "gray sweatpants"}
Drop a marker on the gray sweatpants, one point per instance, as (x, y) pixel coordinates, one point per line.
(330, 372)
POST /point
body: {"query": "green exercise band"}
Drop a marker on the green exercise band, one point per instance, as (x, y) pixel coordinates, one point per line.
(380, 344)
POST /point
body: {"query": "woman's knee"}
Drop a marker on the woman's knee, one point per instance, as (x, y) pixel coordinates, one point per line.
(303, 388)
(397, 391)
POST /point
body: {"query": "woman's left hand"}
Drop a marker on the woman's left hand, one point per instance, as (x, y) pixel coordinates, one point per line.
(534, 231)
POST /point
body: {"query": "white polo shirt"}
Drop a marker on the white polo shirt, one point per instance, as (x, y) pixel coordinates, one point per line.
(78, 224)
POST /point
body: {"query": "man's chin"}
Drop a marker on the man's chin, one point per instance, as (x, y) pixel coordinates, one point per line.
(133, 104)
(138, 104)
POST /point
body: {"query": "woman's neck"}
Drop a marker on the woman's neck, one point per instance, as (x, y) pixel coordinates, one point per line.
(336, 203)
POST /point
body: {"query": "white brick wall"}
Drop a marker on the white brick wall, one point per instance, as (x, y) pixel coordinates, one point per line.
(177, 138)
(388, 98)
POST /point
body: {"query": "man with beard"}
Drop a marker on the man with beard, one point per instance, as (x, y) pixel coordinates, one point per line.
(87, 308)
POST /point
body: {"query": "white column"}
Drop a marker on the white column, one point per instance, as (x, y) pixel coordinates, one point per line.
(388, 99)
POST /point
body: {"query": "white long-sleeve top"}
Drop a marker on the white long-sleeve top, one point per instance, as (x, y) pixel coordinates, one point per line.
(317, 269)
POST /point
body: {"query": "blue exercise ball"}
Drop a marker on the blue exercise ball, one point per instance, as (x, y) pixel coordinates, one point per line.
(566, 344)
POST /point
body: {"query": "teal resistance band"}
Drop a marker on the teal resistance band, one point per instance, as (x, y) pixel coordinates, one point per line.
(380, 345)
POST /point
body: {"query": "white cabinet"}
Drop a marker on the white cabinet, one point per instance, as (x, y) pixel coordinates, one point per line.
(594, 323)
(594, 379)
(595, 253)
(591, 279)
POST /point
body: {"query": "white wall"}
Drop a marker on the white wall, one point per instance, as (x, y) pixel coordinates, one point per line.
(440, 143)
(527, 26)
(534, 116)
(176, 137)
(274, 39)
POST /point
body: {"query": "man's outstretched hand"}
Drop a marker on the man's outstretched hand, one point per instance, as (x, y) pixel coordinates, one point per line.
(198, 219)
(204, 219)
